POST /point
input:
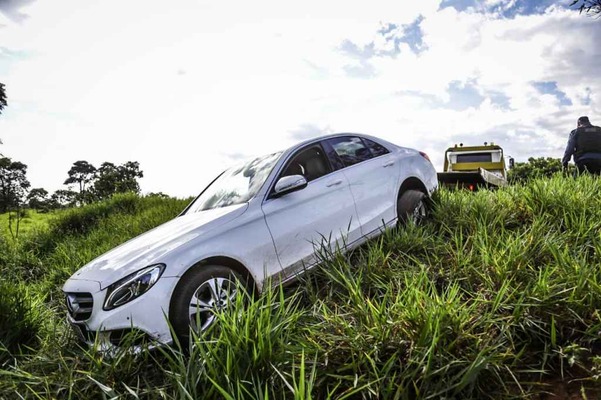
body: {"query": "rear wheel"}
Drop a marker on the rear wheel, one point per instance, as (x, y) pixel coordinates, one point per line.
(412, 205)
(201, 293)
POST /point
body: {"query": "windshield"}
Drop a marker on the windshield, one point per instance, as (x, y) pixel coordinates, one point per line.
(236, 185)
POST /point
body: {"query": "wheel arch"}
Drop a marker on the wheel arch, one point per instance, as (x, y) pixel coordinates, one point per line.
(412, 183)
(224, 261)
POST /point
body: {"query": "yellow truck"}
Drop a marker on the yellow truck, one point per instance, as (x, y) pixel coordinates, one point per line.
(474, 167)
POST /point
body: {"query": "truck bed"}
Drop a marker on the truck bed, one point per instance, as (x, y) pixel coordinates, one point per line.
(470, 179)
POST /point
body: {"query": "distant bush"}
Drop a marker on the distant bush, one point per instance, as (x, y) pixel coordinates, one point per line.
(541, 167)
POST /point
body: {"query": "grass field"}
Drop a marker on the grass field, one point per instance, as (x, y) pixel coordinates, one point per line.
(31, 221)
(496, 296)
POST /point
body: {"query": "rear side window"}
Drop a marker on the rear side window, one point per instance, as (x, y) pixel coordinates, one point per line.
(376, 149)
(350, 150)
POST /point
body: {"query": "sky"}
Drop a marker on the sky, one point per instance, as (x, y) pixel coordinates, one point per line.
(188, 88)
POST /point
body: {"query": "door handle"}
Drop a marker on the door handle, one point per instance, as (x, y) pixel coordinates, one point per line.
(388, 164)
(334, 183)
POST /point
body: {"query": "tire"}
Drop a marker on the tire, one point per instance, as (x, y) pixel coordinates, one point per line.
(412, 205)
(200, 292)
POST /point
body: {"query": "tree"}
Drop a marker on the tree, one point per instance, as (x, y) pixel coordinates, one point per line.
(62, 198)
(82, 173)
(13, 187)
(38, 199)
(111, 179)
(2, 101)
(535, 168)
(106, 180)
(2, 97)
(589, 7)
(129, 172)
(13, 184)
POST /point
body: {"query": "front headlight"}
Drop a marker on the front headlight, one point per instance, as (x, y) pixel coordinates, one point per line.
(132, 286)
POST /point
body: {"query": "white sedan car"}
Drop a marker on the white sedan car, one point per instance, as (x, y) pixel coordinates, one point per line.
(257, 222)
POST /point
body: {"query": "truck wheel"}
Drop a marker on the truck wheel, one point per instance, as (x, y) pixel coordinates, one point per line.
(199, 294)
(411, 205)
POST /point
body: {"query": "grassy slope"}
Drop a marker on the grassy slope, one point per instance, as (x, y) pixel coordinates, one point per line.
(31, 222)
(498, 296)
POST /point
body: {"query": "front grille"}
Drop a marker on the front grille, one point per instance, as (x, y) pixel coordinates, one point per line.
(80, 305)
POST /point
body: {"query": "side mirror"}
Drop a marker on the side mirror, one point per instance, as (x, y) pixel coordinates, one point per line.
(511, 162)
(289, 184)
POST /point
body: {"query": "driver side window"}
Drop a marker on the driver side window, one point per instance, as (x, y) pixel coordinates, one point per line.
(310, 163)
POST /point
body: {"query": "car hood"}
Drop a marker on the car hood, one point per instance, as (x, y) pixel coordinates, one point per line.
(151, 247)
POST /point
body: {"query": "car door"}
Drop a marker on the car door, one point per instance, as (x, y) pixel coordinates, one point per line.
(321, 213)
(373, 173)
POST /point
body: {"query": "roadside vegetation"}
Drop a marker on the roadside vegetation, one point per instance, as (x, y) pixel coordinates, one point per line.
(496, 296)
(28, 220)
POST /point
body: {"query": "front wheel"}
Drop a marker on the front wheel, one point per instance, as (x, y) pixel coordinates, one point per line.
(201, 293)
(412, 205)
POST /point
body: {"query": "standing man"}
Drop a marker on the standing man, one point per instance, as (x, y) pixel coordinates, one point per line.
(585, 144)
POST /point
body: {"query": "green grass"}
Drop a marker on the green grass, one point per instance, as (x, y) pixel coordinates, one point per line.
(496, 296)
(31, 222)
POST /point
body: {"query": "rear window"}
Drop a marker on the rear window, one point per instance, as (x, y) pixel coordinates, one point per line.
(478, 157)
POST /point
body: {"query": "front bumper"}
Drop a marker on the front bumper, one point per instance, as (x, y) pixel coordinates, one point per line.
(148, 314)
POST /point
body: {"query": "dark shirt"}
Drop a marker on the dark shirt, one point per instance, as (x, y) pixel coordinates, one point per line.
(571, 149)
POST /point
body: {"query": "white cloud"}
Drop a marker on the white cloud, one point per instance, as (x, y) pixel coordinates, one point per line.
(181, 88)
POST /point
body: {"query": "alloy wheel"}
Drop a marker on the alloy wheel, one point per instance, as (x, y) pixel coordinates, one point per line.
(211, 296)
(419, 212)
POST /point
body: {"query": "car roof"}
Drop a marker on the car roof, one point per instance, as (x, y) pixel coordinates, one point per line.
(334, 135)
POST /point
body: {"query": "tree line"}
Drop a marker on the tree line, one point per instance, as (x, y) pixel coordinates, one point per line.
(541, 167)
(91, 184)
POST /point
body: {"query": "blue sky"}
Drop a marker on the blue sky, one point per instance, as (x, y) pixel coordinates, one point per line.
(550, 88)
(189, 89)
